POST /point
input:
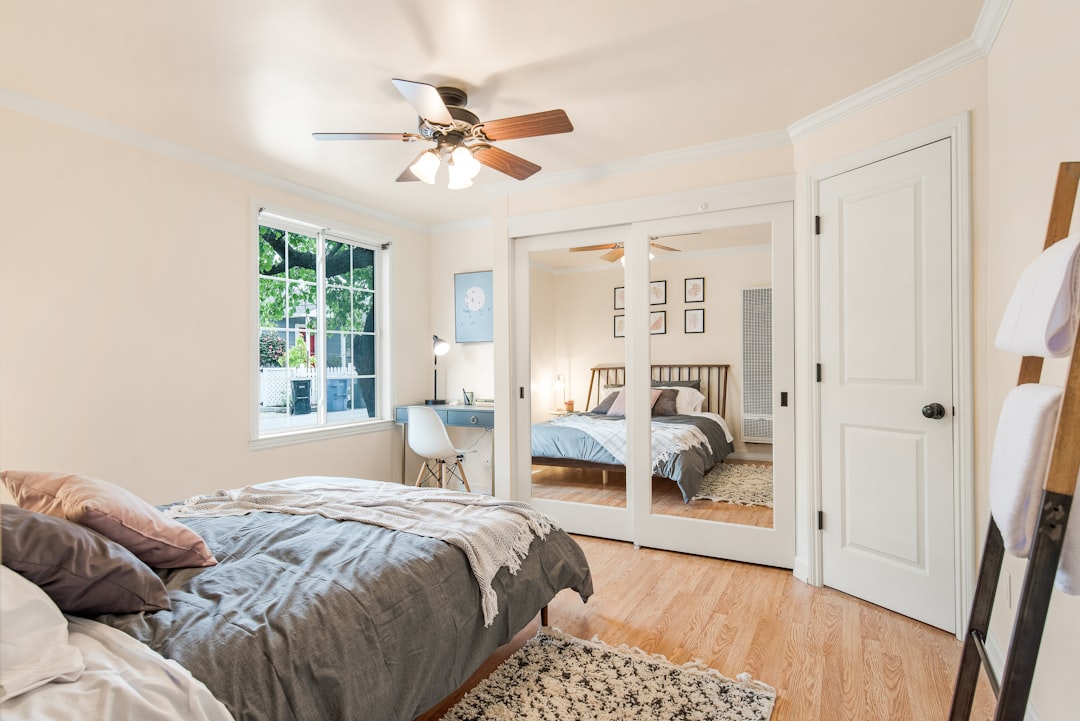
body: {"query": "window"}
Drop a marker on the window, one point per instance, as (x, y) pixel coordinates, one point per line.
(318, 332)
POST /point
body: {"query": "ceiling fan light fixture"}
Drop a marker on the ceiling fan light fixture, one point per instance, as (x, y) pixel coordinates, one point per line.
(465, 162)
(458, 178)
(426, 166)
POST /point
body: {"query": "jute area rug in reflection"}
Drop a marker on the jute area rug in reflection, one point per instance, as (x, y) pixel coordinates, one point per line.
(743, 483)
(556, 677)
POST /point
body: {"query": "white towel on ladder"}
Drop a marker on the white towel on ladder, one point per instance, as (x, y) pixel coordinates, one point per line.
(1039, 319)
(1019, 461)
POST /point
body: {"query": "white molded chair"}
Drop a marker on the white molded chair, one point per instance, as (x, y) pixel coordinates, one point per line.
(429, 440)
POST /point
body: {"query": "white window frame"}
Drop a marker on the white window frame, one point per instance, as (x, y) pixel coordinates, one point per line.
(322, 229)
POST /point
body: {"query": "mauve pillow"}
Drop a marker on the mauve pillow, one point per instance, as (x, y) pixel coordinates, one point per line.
(665, 403)
(83, 572)
(113, 512)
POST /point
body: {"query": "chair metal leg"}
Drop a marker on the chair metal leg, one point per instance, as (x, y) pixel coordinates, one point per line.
(426, 472)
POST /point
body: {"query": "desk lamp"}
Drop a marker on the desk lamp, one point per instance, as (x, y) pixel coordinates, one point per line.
(439, 347)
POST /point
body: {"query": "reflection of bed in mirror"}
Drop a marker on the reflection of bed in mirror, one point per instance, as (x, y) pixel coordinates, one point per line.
(689, 434)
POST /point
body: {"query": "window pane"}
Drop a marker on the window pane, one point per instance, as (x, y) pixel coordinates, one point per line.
(301, 258)
(363, 312)
(338, 308)
(363, 274)
(363, 356)
(271, 303)
(337, 350)
(302, 303)
(337, 262)
(364, 396)
(271, 251)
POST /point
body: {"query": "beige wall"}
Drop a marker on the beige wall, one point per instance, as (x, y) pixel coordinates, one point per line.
(1034, 102)
(469, 366)
(126, 279)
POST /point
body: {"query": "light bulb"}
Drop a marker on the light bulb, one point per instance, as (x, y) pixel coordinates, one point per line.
(465, 161)
(458, 178)
(439, 346)
(426, 166)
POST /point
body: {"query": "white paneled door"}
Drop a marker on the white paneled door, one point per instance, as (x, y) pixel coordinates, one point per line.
(886, 378)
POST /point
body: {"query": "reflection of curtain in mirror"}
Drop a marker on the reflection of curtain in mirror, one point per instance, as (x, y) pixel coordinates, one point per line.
(757, 364)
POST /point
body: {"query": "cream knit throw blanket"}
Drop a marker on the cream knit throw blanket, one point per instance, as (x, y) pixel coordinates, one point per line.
(492, 533)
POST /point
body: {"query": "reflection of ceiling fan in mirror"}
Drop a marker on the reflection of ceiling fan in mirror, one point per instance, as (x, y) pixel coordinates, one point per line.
(461, 140)
(616, 250)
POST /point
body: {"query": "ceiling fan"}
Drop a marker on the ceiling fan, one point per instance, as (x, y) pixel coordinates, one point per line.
(461, 140)
(616, 250)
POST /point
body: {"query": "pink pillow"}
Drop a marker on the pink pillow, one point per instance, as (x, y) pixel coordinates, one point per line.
(112, 511)
(618, 408)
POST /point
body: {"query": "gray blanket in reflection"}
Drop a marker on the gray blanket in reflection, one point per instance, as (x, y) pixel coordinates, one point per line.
(308, 618)
(686, 468)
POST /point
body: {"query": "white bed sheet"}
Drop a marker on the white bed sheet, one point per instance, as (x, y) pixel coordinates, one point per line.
(124, 679)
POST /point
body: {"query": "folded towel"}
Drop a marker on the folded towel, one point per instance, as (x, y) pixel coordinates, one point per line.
(1039, 319)
(1019, 461)
(1068, 573)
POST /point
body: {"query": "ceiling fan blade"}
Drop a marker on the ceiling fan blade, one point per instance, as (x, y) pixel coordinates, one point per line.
(605, 246)
(548, 122)
(407, 175)
(612, 255)
(664, 247)
(504, 162)
(405, 137)
(426, 100)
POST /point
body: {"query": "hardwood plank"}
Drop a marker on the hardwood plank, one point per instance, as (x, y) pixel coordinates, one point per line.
(830, 656)
(579, 485)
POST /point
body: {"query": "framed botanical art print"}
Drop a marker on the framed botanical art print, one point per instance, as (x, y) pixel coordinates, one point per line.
(694, 320)
(620, 326)
(658, 322)
(694, 290)
(658, 292)
(620, 298)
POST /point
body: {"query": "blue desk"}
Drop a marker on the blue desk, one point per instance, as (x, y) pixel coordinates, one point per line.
(456, 415)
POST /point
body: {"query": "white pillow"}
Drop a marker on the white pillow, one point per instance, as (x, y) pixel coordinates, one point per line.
(688, 400)
(34, 648)
(618, 408)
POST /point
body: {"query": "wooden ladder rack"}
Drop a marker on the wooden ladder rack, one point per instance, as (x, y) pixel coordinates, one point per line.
(1014, 687)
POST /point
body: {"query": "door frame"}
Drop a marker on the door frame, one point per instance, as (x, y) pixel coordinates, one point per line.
(958, 130)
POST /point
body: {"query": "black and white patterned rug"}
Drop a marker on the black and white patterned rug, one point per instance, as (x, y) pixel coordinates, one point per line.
(556, 677)
(743, 483)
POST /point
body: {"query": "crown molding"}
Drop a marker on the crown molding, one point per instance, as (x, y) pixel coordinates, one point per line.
(50, 112)
(991, 18)
(696, 153)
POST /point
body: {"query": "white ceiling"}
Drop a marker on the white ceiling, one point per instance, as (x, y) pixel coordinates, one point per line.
(248, 81)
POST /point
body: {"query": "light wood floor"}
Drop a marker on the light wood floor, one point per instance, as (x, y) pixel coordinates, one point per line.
(831, 657)
(587, 486)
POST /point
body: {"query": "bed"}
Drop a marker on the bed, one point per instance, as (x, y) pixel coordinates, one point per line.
(307, 617)
(686, 444)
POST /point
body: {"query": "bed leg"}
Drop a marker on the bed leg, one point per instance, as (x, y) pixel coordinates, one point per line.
(544, 616)
(604, 476)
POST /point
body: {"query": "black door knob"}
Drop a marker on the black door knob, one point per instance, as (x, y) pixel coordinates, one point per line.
(934, 411)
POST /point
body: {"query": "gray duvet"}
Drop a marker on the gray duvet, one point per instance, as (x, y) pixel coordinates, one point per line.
(686, 468)
(307, 618)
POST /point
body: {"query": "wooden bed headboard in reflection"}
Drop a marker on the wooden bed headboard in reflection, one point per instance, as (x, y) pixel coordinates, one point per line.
(713, 378)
